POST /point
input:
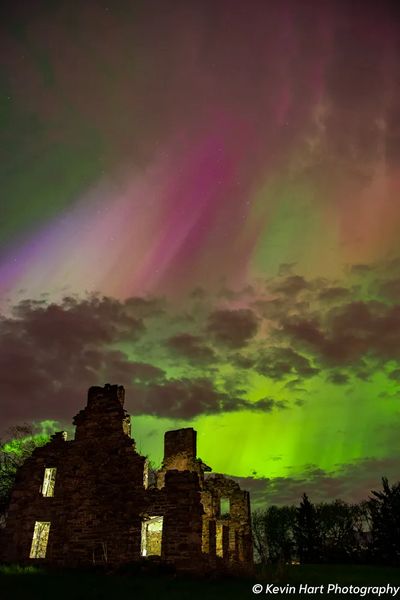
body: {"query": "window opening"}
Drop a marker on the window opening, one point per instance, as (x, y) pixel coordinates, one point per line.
(151, 536)
(219, 547)
(49, 481)
(40, 539)
(146, 474)
(225, 507)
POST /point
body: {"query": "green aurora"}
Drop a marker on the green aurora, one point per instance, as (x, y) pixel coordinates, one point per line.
(201, 204)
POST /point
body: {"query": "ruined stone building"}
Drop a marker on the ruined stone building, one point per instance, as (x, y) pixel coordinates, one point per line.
(89, 500)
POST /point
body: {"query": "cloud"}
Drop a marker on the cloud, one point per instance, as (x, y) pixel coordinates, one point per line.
(334, 294)
(390, 289)
(347, 333)
(352, 482)
(338, 377)
(99, 320)
(232, 328)
(268, 404)
(119, 368)
(395, 375)
(242, 361)
(190, 347)
(278, 363)
(188, 398)
(146, 307)
(292, 285)
(51, 353)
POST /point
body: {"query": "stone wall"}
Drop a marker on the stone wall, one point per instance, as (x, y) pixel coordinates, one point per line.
(233, 531)
(98, 492)
(101, 498)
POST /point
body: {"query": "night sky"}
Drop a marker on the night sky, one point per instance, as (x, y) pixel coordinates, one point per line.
(200, 200)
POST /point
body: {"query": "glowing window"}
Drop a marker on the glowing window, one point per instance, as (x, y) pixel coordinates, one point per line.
(146, 474)
(219, 545)
(40, 539)
(151, 536)
(49, 481)
(225, 507)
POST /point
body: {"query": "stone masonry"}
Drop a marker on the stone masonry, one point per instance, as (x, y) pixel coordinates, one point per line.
(88, 501)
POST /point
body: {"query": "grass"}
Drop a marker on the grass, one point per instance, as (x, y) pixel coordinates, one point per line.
(30, 582)
(19, 570)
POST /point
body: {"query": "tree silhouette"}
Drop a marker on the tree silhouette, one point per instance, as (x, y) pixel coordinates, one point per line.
(384, 509)
(341, 527)
(332, 532)
(307, 532)
(274, 533)
(19, 445)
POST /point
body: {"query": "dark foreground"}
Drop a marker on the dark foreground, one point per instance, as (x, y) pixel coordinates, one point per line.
(18, 583)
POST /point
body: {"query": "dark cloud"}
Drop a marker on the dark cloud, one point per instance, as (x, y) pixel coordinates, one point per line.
(362, 370)
(292, 285)
(268, 309)
(395, 375)
(190, 347)
(352, 483)
(268, 404)
(333, 294)
(51, 353)
(146, 307)
(99, 320)
(278, 363)
(189, 398)
(119, 368)
(390, 289)
(232, 328)
(338, 377)
(332, 325)
(274, 309)
(294, 385)
(348, 333)
(296, 295)
(242, 361)
(299, 402)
